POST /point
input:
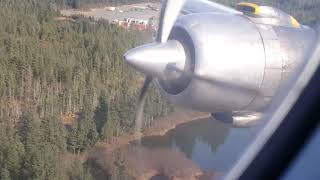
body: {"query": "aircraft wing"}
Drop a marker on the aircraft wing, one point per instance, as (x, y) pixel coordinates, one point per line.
(202, 6)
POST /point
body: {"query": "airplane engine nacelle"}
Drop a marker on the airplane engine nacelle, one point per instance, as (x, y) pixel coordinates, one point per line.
(231, 54)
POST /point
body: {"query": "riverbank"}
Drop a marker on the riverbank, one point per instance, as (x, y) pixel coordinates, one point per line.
(159, 128)
(119, 154)
(142, 163)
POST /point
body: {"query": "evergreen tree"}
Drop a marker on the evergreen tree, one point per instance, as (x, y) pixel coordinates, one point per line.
(11, 151)
(5, 174)
(87, 134)
(101, 113)
(54, 133)
(79, 172)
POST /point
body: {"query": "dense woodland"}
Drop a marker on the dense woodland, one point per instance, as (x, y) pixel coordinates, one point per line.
(85, 3)
(64, 86)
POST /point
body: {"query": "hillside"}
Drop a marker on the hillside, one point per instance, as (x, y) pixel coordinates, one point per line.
(64, 86)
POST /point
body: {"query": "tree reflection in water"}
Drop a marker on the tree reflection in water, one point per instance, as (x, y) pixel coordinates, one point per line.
(211, 144)
(185, 136)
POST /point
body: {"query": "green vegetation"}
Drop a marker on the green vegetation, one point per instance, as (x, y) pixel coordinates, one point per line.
(84, 3)
(63, 85)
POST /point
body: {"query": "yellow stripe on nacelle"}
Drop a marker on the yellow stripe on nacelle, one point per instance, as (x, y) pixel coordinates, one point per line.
(268, 11)
(248, 4)
(252, 5)
(294, 22)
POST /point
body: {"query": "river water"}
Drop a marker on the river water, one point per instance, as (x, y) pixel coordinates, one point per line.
(210, 144)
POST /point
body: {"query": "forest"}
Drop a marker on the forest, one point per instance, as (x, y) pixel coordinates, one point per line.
(84, 3)
(64, 86)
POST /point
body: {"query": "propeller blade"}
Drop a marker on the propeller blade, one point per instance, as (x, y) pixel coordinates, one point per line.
(139, 57)
(141, 102)
(170, 11)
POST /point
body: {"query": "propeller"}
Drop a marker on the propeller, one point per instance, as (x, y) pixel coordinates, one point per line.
(166, 59)
(145, 58)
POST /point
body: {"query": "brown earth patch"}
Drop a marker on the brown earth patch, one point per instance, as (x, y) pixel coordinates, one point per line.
(144, 164)
(141, 163)
(159, 128)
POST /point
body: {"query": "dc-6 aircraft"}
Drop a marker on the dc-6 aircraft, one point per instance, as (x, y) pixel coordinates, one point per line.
(229, 62)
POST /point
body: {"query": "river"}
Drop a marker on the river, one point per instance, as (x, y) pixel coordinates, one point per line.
(191, 149)
(210, 144)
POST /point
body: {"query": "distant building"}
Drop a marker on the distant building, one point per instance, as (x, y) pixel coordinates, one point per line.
(152, 8)
(139, 8)
(110, 8)
(138, 24)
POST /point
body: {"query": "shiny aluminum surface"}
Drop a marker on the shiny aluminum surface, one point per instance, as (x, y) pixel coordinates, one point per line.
(284, 101)
(285, 50)
(232, 55)
(153, 59)
(265, 56)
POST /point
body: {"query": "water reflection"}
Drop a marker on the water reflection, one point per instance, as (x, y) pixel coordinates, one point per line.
(212, 145)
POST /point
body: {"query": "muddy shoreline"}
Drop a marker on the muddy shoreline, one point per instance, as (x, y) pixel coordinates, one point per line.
(160, 127)
(144, 164)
